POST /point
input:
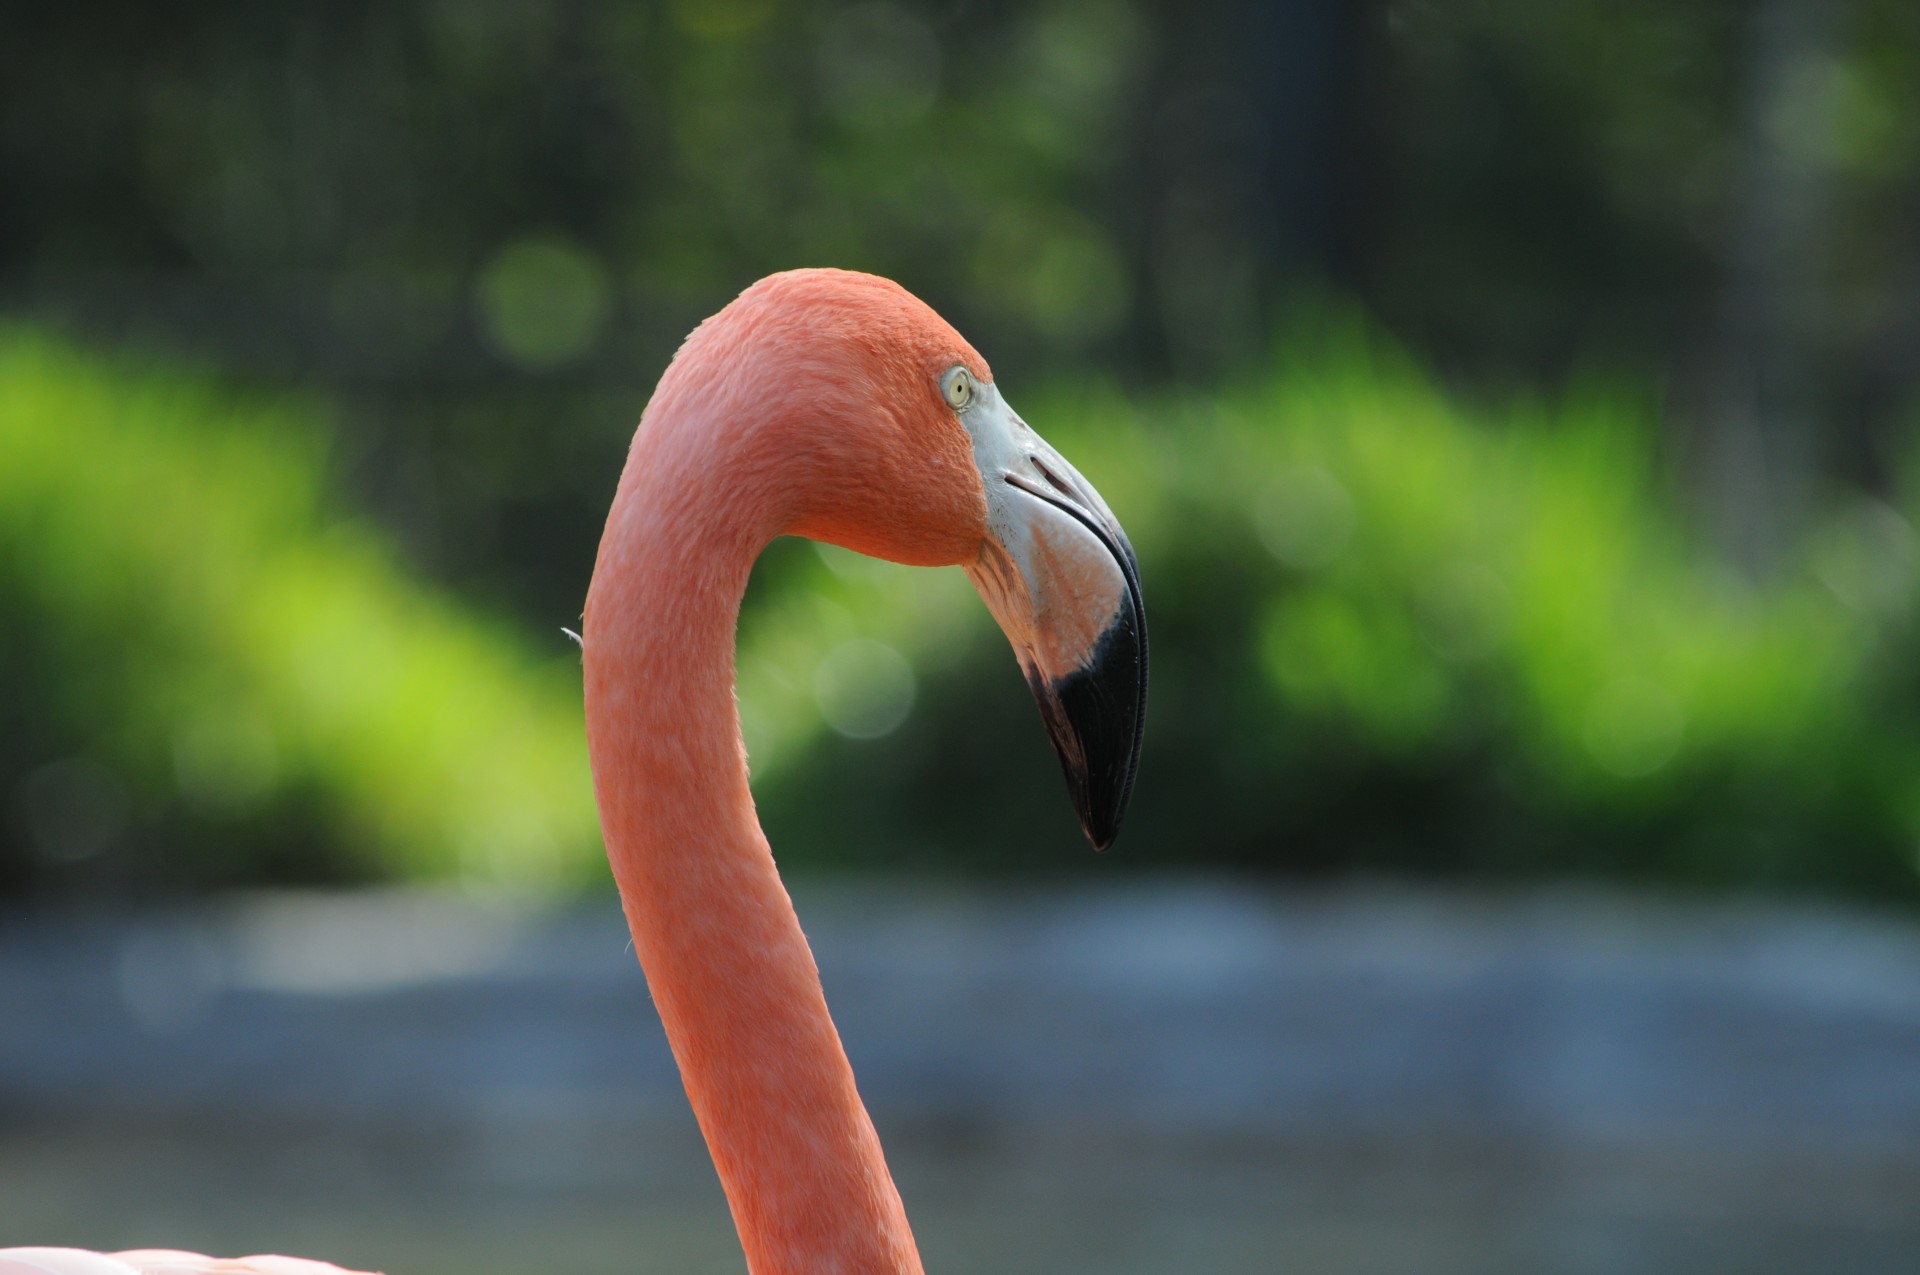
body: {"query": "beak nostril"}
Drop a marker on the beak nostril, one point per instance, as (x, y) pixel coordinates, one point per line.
(1054, 480)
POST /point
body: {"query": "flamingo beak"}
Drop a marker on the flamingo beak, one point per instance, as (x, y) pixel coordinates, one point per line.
(1058, 574)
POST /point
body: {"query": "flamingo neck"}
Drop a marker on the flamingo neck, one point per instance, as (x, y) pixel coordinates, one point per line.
(729, 968)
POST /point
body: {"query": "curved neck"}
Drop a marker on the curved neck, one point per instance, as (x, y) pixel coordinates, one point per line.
(725, 959)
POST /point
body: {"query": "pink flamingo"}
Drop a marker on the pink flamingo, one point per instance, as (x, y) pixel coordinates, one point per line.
(836, 406)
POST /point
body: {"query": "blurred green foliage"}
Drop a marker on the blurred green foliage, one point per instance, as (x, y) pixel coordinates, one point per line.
(205, 656)
(1395, 626)
(1389, 629)
(459, 216)
(1392, 630)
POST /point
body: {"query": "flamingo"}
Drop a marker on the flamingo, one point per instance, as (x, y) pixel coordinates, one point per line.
(837, 406)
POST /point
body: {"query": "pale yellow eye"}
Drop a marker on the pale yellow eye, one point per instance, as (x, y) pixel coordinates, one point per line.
(959, 388)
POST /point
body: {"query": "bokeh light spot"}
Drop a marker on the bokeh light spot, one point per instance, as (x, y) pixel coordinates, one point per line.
(1870, 559)
(543, 301)
(865, 689)
(73, 809)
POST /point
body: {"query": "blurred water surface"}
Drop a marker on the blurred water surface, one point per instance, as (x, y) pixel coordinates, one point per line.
(1189, 1076)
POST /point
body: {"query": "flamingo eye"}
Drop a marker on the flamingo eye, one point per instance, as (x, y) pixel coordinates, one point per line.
(959, 388)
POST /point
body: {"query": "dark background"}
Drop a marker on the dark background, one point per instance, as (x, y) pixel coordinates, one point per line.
(1381, 325)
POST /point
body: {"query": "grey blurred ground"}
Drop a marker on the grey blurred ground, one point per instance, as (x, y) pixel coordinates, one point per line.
(1182, 1077)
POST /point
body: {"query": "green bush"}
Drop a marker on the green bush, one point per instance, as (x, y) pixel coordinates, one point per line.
(212, 673)
(1390, 631)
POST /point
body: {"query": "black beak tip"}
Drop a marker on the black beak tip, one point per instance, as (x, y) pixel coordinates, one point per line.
(1095, 716)
(1101, 832)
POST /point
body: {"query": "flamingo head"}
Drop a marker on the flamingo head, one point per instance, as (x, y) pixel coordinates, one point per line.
(889, 436)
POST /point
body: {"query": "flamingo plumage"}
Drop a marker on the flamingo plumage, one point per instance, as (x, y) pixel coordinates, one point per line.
(837, 406)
